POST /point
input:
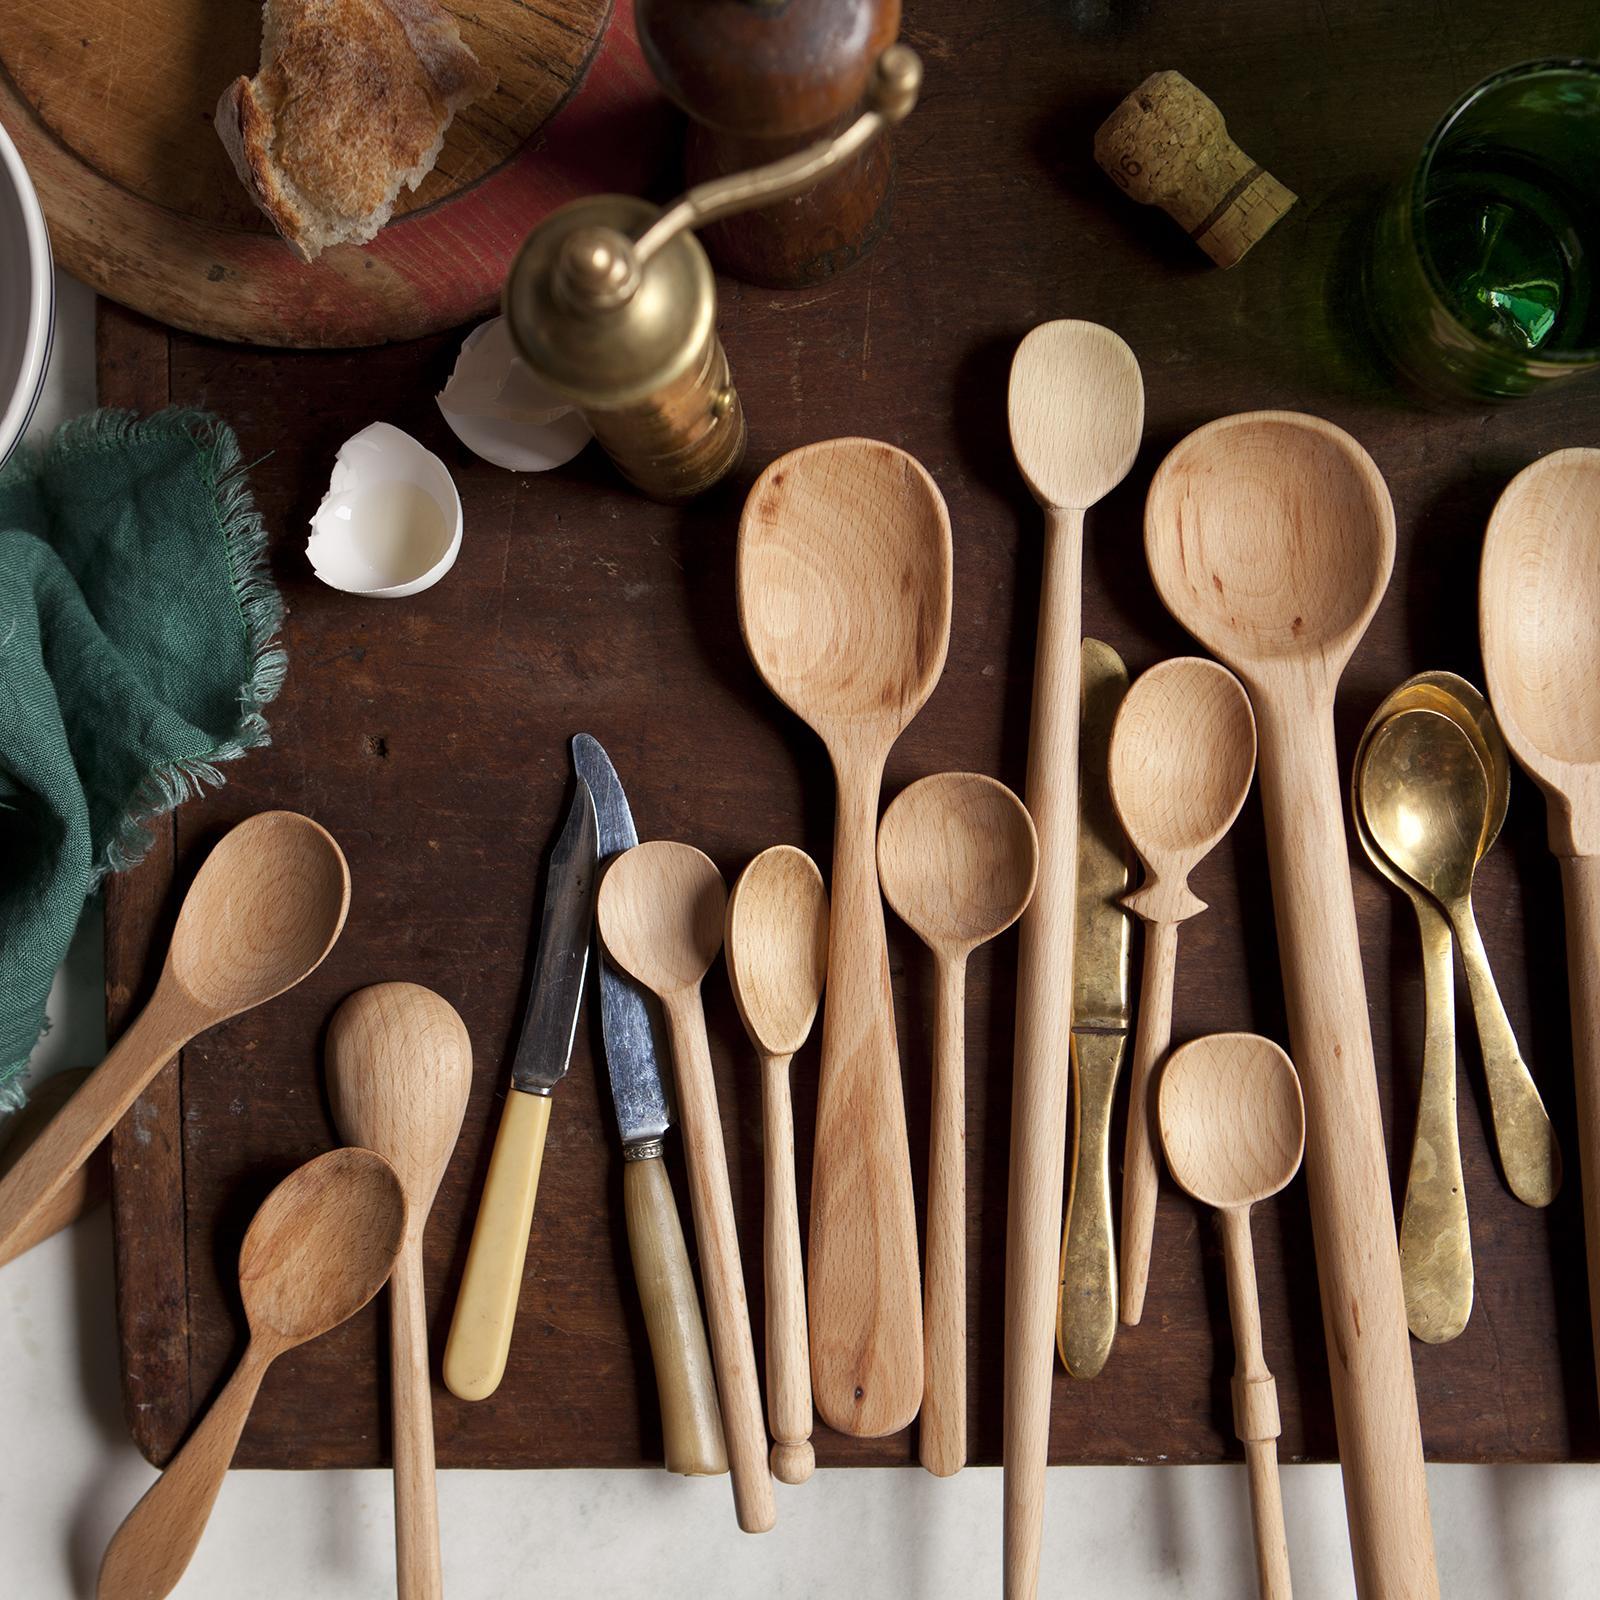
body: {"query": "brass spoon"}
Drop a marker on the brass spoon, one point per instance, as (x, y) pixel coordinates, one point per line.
(1426, 799)
(320, 1247)
(957, 856)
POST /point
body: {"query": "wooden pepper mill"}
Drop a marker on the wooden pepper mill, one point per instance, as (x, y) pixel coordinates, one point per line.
(760, 79)
(1167, 145)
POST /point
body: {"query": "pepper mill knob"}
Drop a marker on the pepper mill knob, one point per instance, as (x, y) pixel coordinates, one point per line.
(1168, 146)
(759, 81)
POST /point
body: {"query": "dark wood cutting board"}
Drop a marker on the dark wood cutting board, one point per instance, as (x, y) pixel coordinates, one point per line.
(430, 735)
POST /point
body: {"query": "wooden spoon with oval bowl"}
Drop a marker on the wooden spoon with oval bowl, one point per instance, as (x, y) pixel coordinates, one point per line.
(844, 599)
(1270, 536)
(320, 1247)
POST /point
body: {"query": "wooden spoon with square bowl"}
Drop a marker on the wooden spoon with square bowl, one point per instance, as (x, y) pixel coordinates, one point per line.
(844, 599)
(399, 1072)
(1539, 625)
(1270, 536)
(1183, 752)
(262, 912)
(661, 910)
(958, 857)
(319, 1249)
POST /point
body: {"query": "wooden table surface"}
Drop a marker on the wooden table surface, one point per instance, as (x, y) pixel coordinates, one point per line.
(430, 736)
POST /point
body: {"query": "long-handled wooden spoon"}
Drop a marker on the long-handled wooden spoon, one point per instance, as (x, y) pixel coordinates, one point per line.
(1076, 407)
(958, 856)
(1183, 752)
(1233, 1127)
(661, 910)
(320, 1247)
(399, 1071)
(1270, 537)
(844, 598)
(262, 912)
(1539, 624)
(776, 944)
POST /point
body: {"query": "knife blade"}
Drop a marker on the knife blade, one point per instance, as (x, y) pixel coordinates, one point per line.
(486, 1307)
(1086, 1320)
(691, 1421)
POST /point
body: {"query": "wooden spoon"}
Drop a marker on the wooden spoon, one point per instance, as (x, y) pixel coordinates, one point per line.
(1183, 752)
(776, 942)
(399, 1071)
(1270, 536)
(844, 598)
(87, 1187)
(320, 1247)
(262, 912)
(1233, 1127)
(1539, 624)
(1076, 407)
(661, 910)
(958, 857)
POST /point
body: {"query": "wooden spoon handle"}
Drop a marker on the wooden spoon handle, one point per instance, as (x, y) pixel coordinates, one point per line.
(87, 1187)
(416, 1500)
(721, 1272)
(152, 1549)
(28, 1191)
(788, 1344)
(1039, 1073)
(1580, 885)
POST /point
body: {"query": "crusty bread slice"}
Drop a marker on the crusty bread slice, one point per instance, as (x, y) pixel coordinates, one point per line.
(351, 102)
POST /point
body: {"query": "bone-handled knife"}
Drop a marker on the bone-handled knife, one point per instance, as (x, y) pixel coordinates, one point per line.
(691, 1423)
(486, 1308)
(1086, 1320)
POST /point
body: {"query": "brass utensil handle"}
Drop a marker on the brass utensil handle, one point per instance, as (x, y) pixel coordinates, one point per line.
(891, 93)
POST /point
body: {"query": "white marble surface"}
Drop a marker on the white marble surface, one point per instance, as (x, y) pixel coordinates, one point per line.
(69, 1473)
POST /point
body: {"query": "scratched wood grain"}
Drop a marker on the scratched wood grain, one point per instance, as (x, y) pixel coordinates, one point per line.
(430, 736)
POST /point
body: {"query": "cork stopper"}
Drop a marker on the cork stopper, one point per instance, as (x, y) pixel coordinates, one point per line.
(1167, 145)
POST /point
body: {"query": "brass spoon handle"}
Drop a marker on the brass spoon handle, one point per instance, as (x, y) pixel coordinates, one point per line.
(1526, 1141)
(1435, 1243)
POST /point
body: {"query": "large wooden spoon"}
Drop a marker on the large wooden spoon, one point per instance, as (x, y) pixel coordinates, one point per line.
(958, 856)
(1539, 624)
(661, 909)
(399, 1071)
(261, 914)
(1270, 537)
(844, 598)
(320, 1247)
(1076, 407)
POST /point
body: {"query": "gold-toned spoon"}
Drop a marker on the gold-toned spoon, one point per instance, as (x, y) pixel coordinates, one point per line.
(957, 856)
(1426, 798)
(399, 1072)
(320, 1247)
(776, 944)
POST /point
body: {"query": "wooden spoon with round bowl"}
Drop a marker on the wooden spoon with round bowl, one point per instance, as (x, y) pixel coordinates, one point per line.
(958, 858)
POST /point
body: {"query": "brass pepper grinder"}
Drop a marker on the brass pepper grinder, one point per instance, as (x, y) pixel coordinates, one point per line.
(760, 79)
(611, 303)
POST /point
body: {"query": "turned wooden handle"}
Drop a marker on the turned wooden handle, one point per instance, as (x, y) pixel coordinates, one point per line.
(1580, 884)
(788, 1345)
(723, 1276)
(486, 1308)
(691, 1425)
(1039, 1073)
(81, 1193)
(150, 1552)
(419, 1572)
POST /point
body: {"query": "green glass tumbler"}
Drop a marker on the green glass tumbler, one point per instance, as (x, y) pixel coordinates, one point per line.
(1483, 279)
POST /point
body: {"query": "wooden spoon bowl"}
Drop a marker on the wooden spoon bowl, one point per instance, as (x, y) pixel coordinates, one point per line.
(777, 947)
(661, 908)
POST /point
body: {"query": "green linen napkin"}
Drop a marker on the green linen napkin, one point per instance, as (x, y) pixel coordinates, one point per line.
(137, 648)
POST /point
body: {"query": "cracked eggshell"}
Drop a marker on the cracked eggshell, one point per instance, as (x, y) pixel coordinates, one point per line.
(500, 411)
(390, 523)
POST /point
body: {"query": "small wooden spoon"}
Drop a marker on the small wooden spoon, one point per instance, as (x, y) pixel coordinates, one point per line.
(776, 943)
(844, 599)
(661, 909)
(1539, 624)
(320, 1247)
(399, 1071)
(1076, 408)
(1183, 752)
(1233, 1126)
(958, 857)
(262, 912)
(1270, 537)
